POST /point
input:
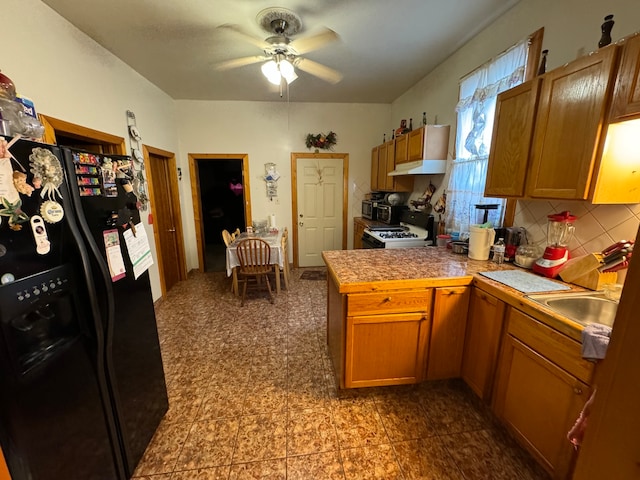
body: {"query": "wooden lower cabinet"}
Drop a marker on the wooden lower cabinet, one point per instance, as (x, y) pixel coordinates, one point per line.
(358, 229)
(386, 337)
(446, 342)
(482, 341)
(386, 349)
(536, 399)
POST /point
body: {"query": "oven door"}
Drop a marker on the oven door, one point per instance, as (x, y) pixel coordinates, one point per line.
(368, 241)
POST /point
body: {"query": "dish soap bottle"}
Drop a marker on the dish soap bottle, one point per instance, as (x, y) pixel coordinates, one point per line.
(498, 251)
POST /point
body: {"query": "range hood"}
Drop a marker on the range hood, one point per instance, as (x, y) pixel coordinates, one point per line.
(420, 167)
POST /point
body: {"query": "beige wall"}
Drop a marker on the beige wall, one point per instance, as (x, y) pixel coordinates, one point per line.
(71, 77)
(572, 29)
(269, 132)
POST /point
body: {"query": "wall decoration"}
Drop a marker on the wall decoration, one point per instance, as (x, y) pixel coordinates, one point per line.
(139, 182)
(321, 141)
(271, 177)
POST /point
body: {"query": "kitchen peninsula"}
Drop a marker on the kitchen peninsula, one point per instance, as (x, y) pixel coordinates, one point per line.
(403, 316)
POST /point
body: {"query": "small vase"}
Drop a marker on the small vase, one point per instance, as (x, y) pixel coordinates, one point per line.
(606, 31)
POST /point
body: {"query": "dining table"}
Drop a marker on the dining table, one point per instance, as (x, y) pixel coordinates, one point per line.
(273, 238)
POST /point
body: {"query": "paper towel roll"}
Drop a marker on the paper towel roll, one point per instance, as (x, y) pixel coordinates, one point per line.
(272, 221)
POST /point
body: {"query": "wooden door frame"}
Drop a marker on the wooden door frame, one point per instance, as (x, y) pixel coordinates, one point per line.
(194, 176)
(294, 194)
(175, 200)
(111, 144)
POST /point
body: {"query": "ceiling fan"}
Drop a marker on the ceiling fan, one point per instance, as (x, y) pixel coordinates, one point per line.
(282, 54)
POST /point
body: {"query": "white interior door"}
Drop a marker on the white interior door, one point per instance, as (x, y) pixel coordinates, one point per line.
(320, 194)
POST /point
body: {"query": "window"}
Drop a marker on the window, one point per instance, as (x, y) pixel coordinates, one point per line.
(476, 108)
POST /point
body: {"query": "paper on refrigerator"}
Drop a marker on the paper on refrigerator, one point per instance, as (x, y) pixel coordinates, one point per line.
(139, 249)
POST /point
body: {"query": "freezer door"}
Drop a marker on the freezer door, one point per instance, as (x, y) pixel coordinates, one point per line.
(52, 420)
(132, 350)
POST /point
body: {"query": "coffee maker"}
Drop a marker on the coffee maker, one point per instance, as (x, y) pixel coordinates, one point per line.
(559, 232)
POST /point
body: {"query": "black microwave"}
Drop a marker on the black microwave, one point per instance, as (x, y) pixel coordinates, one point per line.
(369, 210)
(390, 214)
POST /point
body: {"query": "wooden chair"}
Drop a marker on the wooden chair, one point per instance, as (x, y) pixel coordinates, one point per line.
(285, 258)
(254, 255)
(226, 237)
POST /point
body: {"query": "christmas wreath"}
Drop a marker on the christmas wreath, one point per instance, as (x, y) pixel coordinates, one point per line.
(325, 142)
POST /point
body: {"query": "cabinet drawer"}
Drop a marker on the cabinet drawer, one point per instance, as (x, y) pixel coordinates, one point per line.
(553, 345)
(390, 302)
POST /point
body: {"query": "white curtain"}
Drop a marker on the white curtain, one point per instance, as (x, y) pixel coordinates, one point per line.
(476, 109)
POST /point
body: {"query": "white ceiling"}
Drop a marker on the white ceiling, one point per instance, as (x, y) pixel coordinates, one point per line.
(385, 46)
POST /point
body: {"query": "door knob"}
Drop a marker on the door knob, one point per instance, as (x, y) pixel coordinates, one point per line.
(301, 224)
(171, 230)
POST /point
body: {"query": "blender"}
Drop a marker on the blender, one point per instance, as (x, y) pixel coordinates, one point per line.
(559, 232)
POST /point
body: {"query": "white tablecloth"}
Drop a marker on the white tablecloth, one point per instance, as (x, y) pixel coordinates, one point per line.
(273, 239)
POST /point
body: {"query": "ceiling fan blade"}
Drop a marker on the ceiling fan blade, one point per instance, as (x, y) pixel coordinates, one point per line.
(239, 62)
(321, 71)
(258, 42)
(314, 42)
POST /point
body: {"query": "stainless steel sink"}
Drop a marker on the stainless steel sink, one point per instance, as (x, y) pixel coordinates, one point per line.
(581, 307)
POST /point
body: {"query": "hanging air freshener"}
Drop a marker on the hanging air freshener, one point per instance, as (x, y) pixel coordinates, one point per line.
(46, 168)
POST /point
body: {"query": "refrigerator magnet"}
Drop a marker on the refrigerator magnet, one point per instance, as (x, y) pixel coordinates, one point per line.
(114, 254)
(40, 235)
(46, 167)
(51, 211)
(7, 188)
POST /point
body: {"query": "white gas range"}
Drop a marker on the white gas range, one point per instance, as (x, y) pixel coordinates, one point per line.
(415, 230)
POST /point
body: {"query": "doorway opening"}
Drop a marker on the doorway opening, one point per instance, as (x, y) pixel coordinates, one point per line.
(220, 192)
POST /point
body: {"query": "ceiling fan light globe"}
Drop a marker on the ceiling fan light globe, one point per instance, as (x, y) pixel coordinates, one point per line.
(286, 68)
(271, 72)
(290, 78)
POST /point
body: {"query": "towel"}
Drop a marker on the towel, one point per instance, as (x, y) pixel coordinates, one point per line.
(595, 340)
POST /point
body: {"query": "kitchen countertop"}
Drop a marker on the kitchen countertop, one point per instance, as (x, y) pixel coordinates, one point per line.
(370, 270)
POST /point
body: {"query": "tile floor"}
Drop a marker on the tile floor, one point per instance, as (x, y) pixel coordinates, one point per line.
(252, 395)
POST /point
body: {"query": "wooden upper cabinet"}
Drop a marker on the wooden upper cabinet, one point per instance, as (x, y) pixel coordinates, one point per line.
(401, 148)
(375, 151)
(572, 110)
(511, 140)
(384, 162)
(429, 142)
(391, 165)
(626, 94)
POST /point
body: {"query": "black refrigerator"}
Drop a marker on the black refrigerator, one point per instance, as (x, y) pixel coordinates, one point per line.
(82, 388)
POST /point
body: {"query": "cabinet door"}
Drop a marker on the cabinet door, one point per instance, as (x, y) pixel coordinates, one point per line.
(401, 149)
(571, 112)
(626, 95)
(446, 342)
(386, 349)
(358, 230)
(482, 342)
(415, 143)
(511, 140)
(374, 168)
(390, 166)
(382, 166)
(539, 402)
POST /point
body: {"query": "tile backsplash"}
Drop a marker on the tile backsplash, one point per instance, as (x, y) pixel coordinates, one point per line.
(597, 226)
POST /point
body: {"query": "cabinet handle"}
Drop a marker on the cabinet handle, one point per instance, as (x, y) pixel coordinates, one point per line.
(577, 391)
(386, 299)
